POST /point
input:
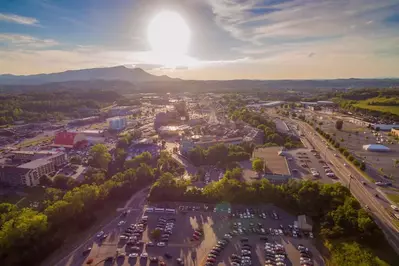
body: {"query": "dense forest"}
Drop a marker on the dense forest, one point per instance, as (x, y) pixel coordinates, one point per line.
(54, 105)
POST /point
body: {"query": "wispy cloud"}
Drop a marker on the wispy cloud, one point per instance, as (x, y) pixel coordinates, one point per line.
(13, 18)
(25, 41)
(274, 26)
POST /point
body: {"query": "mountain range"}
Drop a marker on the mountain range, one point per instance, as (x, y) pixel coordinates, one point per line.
(133, 75)
(137, 78)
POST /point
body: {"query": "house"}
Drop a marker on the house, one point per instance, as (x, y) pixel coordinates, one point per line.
(305, 223)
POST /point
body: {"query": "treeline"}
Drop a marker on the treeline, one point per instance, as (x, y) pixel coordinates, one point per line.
(27, 236)
(359, 164)
(271, 136)
(364, 94)
(56, 105)
(377, 97)
(338, 216)
(220, 154)
(385, 101)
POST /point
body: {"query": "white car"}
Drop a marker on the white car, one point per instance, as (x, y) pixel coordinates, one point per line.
(161, 244)
(123, 237)
(133, 255)
(121, 223)
(100, 234)
(311, 235)
(144, 255)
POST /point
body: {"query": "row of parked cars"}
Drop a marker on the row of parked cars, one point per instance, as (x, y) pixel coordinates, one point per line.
(306, 256)
(215, 252)
(275, 254)
(246, 254)
(252, 213)
(166, 227)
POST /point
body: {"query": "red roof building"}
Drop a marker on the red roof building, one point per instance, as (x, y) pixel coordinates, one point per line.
(68, 139)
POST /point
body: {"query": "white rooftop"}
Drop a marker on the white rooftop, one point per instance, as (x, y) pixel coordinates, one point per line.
(375, 147)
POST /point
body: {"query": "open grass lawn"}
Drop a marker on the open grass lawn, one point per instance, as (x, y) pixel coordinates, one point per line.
(393, 197)
(388, 109)
(35, 142)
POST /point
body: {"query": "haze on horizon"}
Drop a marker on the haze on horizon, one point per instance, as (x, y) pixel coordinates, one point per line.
(204, 39)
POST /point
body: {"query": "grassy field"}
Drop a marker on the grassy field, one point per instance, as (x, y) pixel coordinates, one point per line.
(394, 197)
(35, 142)
(387, 109)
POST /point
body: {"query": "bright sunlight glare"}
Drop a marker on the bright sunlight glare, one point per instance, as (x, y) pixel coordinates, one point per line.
(168, 34)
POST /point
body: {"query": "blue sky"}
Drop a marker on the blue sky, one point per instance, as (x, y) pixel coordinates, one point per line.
(230, 39)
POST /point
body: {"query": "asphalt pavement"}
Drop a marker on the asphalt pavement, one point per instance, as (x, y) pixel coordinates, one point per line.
(107, 247)
(364, 193)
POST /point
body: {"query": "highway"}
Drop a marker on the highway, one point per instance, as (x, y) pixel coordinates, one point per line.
(107, 247)
(365, 194)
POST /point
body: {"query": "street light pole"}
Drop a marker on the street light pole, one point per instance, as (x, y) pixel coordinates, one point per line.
(350, 180)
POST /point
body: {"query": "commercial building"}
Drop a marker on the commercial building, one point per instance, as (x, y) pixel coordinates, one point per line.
(376, 148)
(384, 127)
(265, 104)
(305, 223)
(276, 169)
(29, 173)
(117, 123)
(164, 118)
(255, 135)
(68, 139)
(172, 130)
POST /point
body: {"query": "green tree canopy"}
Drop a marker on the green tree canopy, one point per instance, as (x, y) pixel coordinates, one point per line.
(100, 157)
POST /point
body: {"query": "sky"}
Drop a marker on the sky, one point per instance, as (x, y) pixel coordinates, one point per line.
(229, 39)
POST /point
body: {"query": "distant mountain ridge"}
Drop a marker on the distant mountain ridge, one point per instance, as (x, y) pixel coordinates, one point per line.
(133, 75)
(137, 78)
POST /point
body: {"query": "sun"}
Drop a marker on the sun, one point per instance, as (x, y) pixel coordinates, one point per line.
(168, 34)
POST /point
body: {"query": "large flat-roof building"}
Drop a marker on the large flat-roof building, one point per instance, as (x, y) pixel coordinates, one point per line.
(277, 170)
(29, 173)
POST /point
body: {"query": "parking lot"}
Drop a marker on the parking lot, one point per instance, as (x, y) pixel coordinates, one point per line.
(302, 162)
(355, 136)
(216, 235)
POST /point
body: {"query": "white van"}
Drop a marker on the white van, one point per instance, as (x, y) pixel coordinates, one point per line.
(149, 210)
(171, 211)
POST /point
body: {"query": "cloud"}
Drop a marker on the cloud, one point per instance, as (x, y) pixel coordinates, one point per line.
(12, 18)
(25, 41)
(270, 26)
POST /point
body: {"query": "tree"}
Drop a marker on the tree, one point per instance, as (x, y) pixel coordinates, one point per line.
(258, 165)
(156, 234)
(339, 124)
(45, 181)
(75, 160)
(99, 156)
(63, 182)
(144, 157)
(362, 166)
(235, 173)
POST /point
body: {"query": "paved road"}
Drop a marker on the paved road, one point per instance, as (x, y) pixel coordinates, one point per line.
(108, 247)
(364, 193)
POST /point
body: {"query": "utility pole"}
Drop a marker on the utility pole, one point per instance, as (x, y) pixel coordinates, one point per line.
(350, 180)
